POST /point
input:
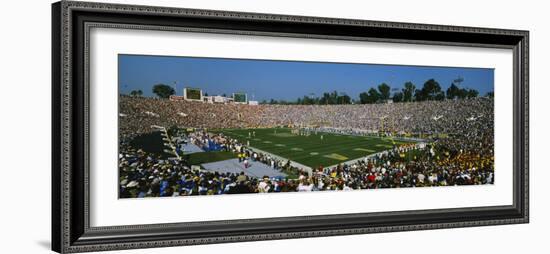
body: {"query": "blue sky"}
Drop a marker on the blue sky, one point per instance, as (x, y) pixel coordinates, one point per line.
(286, 80)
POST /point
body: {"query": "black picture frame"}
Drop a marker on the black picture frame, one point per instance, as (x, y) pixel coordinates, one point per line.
(71, 231)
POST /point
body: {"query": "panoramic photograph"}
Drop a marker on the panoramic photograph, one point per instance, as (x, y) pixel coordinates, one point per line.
(194, 126)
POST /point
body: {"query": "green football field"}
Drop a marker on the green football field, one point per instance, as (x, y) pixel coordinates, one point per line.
(311, 150)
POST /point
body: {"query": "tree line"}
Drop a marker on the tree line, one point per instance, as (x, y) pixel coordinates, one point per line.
(430, 91)
(160, 90)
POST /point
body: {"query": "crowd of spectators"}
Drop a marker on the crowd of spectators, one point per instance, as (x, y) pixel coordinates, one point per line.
(137, 114)
(464, 155)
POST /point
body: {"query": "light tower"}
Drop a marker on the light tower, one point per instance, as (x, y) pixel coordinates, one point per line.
(458, 80)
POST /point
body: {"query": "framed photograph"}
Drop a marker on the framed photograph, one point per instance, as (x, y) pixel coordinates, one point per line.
(183, 126)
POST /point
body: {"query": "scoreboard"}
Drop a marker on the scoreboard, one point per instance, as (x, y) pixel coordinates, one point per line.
(240, 98)
(192, 93)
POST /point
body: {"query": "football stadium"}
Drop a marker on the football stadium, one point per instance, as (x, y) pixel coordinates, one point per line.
(194, 126)
(211, 145)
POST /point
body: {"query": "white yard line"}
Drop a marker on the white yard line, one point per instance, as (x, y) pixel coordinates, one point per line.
(370, 156)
